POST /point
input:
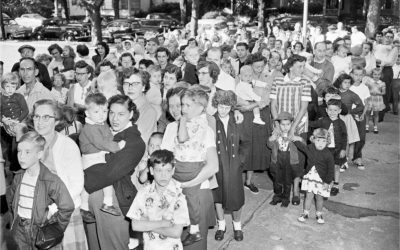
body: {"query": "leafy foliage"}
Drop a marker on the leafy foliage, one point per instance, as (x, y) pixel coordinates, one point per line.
(15, 8)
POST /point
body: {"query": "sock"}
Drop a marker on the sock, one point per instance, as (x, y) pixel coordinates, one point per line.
(221, 225)
(257, 116)
(237, 225)
(336, 184)
(318, 213)
(306, 211)
(108, 201)
(194, 229)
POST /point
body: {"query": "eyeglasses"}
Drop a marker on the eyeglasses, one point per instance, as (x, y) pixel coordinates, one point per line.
(44, 118)
(81, 74)
(391, 37)
(132, 84)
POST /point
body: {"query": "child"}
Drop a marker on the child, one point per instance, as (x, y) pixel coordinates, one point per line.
(153, 95)
(328, 94)
(285, 160)
(95, 139)
(245, 91)
(190, 152)
(227, 67)
(355, 107)
(33, 190)
(159, 210)
(232, 146)
(358, 74)
(377, 89)
(69, 63)
(338, 137)
(320, 171)
(58, 90)
(192, 57)
(140, 176)
(341, 62)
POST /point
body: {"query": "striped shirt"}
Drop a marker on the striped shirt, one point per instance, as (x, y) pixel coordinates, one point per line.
(289, 95)
(26, 196)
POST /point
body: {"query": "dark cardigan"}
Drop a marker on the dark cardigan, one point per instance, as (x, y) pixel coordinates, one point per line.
(339, 130)
(118, 168)
(321, 159)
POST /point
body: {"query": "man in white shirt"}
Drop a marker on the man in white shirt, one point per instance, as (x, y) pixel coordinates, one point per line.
(357, 37)
(396, 85)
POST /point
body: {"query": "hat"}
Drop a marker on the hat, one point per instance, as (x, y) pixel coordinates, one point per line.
(26, 46)
(321, 133)
(155, 40)
(284, 116)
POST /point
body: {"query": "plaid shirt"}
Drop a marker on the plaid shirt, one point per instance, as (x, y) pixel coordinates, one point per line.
(289, 95)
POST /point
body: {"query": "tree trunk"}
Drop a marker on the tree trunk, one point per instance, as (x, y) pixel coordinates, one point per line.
(261, 15)
(65, 6)
(365, 8)
(396, 8)
(96, 27)
(183, 6)
(115, 4)
(324, 8)
(2, 30)
(195, 18)
(374, 12)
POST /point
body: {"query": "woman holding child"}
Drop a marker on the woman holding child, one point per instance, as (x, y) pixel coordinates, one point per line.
(62, 157)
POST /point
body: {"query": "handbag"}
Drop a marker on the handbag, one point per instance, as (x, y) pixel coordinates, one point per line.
(49, 234)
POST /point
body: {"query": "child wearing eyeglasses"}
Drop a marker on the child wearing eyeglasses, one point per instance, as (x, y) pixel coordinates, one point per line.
(96, 140)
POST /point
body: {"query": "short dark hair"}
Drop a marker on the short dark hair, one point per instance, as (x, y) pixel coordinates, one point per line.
(213, 69)
(125, 100)
(223, 97)
(1, 63)
(330, 90)
(163, 49)
(29, 59)
(53, 47)
(292, 60)
(127, 54)
(256, 57)
(106, 63)
(173, 69)
(146, 62)
(144, 76)
(243, 45)
(334, 102)
(301, 45)
(96, 98)
(82, 50)
(82, 64)
(162, 157)
(341, 78)
(157, 134)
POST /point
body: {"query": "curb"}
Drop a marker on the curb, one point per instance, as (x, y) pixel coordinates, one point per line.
(356, 212)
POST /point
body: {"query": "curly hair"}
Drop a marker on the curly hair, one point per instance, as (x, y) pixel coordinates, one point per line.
(53, 47)
(224, 97)
(173, 69)
(125, 100)
(71, 51)
(144, 76)
(256, 57)
(338, 82)
(213, 69)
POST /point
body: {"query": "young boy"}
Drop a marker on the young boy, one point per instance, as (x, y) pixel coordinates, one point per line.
(358, 87)
(338, 137)
(95, 141)
(153, 95)
(285, 160)
(192, 57)
(33, 190)
(160, 210)
(245, 91)
(328, 94)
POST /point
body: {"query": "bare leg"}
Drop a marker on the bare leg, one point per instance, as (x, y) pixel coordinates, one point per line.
(319, 203)
(249, 174)
(308, 201)
(219, 210)
(376, 118)
(296, 189)
(337, 173)
(236, 215)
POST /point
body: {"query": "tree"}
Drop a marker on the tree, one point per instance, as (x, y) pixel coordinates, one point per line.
(365, 8)
(261, 15)
(115, 4)
(396, 8)
(93, 7)
(183, 7)
(195, 18)
(374, 12)
(64, 4)
(2, 30)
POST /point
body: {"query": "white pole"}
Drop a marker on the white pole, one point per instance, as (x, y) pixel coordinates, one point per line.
(305, 17)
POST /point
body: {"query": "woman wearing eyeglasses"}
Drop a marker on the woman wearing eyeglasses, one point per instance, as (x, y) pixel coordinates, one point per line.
(135, 84)
(63, 158)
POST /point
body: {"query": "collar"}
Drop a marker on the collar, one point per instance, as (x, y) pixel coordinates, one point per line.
(173, 188)
(322, 61)
(127, 126)
(89, 121)
(88, 85)
(287, 78)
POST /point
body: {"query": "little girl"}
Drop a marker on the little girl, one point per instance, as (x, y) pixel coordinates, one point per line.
(58, 90)
(355, 108)
(69, 63)
(227, 67)
(320, 171)
(341, 62)
(375, 104)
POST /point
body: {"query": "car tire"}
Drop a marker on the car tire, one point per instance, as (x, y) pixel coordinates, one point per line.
(69, 38)
(38, 37)
(10, 37)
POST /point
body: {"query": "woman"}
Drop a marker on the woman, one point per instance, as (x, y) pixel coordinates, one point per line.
(56, 65)
(258, 158)
(63, 158)
(369, 57)
(109, 231)
(207, 213)
(135, 84)
(208, 73)
(101, 52)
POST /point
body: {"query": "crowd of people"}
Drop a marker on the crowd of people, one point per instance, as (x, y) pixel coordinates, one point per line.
(148, 140)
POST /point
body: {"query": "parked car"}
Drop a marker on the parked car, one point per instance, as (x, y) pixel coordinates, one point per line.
(10, 26)
(125, 28)
(58, 28)
(161, 15)
(21, 32)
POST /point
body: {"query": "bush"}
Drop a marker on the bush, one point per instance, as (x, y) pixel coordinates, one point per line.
(165, 8)
(297, 8)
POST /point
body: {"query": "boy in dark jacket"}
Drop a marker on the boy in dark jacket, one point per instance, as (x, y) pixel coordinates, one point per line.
(34, 188)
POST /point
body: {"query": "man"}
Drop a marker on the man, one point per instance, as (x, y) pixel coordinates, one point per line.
(151, 48)
(161, 39)
(320, 62)
(79, 91)
(292, 94)
(357, 37)
(163, 56)
(387, 54)
(126, 60)
(119, 46)
(242, 50)
(271, 42)
(33, 90)
(279, 48)
(341, 32)
(142, 41)
(348, 43)
(225, 81)
(27, 51)
(82, 52)
(329, 50)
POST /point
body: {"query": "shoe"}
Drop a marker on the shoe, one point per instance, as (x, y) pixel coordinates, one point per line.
(367, 129)
(252, 188)
(285, 203)
(219, 235)
(360, 166)
(303, 217)
(320, 220)
(257, 120)
(192, 238)
(88, 217)
(296, 200)
(344, 167)
(238, 235)
(334, 191)
(275, 201)
(110, 210)
(376, 130)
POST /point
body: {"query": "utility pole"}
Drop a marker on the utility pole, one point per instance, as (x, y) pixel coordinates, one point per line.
(305, 17)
